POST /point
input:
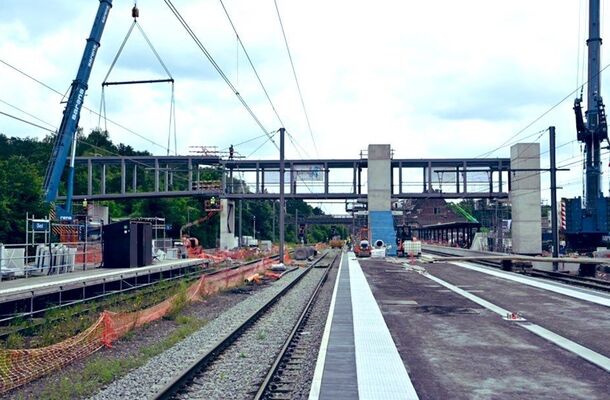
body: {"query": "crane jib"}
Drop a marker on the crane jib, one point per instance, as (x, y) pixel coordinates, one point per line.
(69, 124)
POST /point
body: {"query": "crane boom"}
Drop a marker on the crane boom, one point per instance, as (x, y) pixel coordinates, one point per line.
(587, 224)
(66, 136)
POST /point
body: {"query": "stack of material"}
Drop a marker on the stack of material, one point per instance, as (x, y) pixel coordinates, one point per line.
(412, 247)
(378, 253)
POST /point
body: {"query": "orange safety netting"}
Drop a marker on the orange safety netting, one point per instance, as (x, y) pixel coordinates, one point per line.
(18, 367)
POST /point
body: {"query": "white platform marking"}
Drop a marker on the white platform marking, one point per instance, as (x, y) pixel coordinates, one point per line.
(593, 357)
(578, 294)
(380, 370)
(316, 383)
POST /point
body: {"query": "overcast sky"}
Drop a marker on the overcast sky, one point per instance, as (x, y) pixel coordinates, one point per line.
(439, 78)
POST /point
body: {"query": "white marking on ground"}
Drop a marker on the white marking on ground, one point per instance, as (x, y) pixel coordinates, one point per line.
(316, 383)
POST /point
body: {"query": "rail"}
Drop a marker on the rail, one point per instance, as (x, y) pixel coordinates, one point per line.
(188, 373)
(265, 387)
(495, 261)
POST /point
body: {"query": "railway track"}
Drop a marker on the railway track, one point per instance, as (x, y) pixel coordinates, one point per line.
(96, 304)
(186, 383)
(586, 282)
(280, 382)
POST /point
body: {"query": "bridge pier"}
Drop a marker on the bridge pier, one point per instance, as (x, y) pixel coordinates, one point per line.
(227, 225)
(381, 223)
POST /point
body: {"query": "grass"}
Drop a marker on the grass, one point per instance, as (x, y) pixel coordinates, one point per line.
(61, 323)
(261, 335)
(180, 301)
(100, 371)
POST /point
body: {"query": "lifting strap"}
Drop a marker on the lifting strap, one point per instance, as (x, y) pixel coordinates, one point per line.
(135, 13)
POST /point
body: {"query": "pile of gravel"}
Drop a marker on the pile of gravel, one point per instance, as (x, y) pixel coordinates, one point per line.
(145, 381)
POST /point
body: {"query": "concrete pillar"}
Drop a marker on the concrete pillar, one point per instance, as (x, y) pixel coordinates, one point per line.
(525, 199)
(381, 225)
(227, 225)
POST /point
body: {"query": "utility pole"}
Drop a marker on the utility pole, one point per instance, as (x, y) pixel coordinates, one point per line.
(282, 201)
(554, 196)
(273, 223)
(254, 226)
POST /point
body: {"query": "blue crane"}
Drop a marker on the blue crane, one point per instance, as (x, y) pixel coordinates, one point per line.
(66, 136)
(587, 222)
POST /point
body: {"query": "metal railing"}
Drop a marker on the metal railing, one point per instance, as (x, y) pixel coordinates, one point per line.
(25, 260)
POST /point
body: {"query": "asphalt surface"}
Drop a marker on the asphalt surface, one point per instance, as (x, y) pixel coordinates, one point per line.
(583, 322)
(454, 348)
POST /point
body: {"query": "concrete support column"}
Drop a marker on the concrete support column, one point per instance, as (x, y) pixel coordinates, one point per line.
(381, 225)
(525, 198)
(227, 225)
(103, 180)
(134, 178)
(123, 172)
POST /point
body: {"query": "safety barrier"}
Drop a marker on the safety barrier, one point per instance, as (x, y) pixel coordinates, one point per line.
(18, 367)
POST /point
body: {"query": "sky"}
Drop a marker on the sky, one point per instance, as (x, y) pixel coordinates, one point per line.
(445, 78)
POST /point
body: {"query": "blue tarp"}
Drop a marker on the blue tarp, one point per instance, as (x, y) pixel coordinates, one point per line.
(381, 226)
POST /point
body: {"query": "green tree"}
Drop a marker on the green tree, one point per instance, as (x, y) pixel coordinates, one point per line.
(20, 193)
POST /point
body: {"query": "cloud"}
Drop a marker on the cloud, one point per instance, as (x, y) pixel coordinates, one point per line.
(434, 79)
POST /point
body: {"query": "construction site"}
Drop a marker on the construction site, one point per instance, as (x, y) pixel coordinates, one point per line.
(149, 270)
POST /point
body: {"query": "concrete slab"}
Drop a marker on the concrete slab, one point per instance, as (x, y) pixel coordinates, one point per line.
(27, 287)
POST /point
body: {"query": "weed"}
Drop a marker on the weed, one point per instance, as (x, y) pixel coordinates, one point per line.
(179, 302)
(242, 354)
(15, 341)
(261, 335)
(184, 319)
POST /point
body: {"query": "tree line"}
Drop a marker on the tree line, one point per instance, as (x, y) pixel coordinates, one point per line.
(23, 162)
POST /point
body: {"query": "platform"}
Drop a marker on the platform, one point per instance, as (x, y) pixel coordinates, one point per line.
(447, 323)
(358, 358)
(19, 289)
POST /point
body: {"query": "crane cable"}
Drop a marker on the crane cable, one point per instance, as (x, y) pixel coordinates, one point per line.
(135, 13)
(131, 131)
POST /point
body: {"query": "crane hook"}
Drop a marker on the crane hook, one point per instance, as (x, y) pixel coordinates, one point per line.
(135, 12)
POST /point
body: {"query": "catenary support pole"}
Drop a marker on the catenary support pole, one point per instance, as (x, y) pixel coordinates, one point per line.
(282, 201)
(239, 239)
(554, 196)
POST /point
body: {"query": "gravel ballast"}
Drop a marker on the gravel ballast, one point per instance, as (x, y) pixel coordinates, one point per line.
(145, 381)
(132, 346)
(238, 372)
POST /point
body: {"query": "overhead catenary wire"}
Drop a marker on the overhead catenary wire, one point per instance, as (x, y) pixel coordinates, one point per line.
(525, 128)
(269, 139)
(294, 73)
(243, 47)
(131, 131)
(54, 133)
(210, 58)
(27, 122)
(28, 114)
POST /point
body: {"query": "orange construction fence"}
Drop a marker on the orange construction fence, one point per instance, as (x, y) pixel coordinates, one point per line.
(18, 367)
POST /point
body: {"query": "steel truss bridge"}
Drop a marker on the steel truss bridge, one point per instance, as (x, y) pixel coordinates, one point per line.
(130, 177)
